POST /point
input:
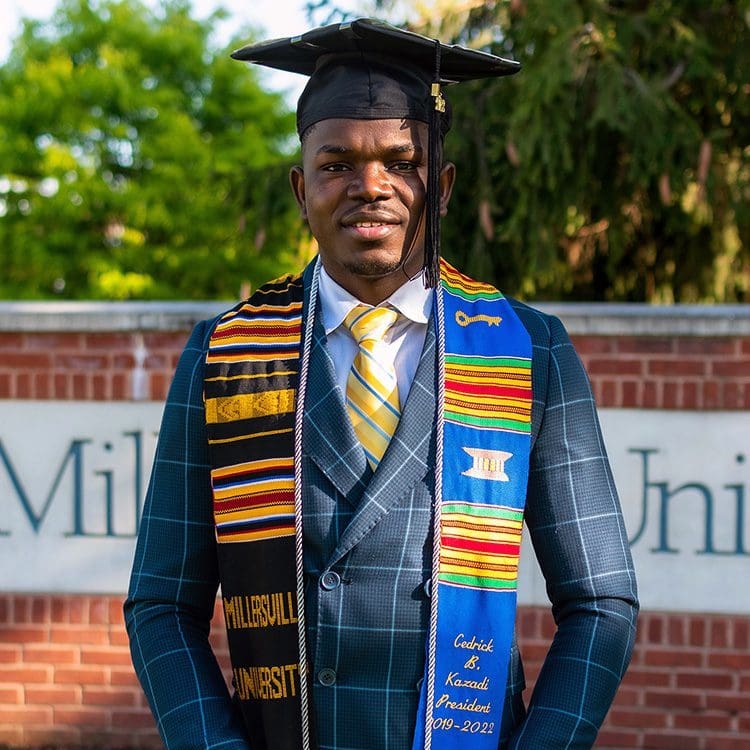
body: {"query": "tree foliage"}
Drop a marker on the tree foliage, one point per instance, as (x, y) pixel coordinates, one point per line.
(139, 161)
(616, 165)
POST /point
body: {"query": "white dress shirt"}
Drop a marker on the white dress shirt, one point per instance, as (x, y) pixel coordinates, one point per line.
(404, 341)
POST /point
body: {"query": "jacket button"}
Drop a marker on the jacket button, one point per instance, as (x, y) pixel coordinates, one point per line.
(327, 677)
(428, 588)
(330, 580)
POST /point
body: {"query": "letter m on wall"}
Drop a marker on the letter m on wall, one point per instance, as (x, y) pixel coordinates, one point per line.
(74, 455)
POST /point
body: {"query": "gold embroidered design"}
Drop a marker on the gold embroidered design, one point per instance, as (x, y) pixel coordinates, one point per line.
(249, 405)
(488, 464)
(464, 320)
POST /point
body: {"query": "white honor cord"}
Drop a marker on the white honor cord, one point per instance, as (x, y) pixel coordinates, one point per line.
(437, 506)
(298, 549)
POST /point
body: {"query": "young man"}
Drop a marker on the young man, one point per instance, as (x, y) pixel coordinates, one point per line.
(350, 454)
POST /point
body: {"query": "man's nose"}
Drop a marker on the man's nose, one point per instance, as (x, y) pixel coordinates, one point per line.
(371, 182)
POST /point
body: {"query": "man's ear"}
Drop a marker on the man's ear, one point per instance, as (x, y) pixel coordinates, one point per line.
(297, 181)
(447, 180)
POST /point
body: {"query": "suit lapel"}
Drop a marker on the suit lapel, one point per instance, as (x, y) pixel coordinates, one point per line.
(408, 456)
(328, 435)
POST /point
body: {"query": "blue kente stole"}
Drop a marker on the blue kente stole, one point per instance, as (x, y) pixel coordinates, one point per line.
(482, 472)
(256, 374)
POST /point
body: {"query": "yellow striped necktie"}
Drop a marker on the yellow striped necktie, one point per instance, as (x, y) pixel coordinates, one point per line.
(371, 389)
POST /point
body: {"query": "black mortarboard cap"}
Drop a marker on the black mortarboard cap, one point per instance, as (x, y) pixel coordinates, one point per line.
(370, 70)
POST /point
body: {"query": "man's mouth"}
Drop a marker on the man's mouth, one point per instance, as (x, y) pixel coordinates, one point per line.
(370, 228)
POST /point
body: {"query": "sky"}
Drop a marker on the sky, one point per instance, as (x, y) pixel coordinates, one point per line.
(278, 18)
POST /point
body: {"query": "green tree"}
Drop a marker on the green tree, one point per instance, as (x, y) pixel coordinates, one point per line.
(616, 165)
(139, 161)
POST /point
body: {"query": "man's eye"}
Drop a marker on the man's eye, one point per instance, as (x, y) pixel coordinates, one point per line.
(337, 167)
(403, 166)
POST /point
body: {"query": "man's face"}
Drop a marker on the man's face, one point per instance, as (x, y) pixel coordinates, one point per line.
(362, 191)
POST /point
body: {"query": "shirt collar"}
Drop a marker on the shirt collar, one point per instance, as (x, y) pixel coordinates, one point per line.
(411, 299)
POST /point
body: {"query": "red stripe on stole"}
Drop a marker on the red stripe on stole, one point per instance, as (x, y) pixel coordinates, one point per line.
(281, 497)
(472, 389)
(446, 559)
(489, 409)
(258, 330)
(475, 545)
(452, 274)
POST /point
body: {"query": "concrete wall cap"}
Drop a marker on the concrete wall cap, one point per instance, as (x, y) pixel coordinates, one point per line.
(580, 318)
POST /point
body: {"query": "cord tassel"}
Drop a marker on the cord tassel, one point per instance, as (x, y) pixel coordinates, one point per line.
(434, 163)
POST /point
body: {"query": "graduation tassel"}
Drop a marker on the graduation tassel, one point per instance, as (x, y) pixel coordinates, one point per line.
(434, 164)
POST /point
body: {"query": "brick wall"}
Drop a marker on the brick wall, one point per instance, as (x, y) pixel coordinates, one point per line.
(65, 673)
(688, 686)
(87, 366)
(668, 372)
(646, 370)
(66, 676)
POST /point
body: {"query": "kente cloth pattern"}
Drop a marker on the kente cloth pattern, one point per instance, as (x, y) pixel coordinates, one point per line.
(251, 365)
(483, 474)
(480, 545)
(372, 398)
(488, 392)
(250, 390)
(252, 377)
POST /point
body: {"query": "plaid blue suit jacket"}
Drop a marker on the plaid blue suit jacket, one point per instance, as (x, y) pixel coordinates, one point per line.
(373, 532)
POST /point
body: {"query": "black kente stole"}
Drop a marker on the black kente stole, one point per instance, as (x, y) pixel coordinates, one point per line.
(250, 385)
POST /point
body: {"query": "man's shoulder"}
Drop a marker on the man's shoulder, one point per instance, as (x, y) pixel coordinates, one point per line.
(280, 292)
(541, 326)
